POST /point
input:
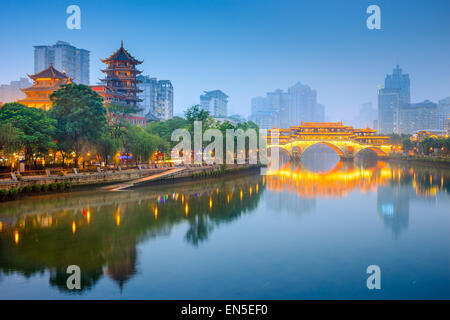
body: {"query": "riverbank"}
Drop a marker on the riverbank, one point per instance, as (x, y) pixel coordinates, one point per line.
(13, 189)
(433, 161)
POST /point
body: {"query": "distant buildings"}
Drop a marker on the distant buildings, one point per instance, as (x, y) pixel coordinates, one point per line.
(11, 92)
(120, 86)
(215, 102)
(157, 98)
(394, 94)
(417, 116)
(367, 116)
(443, 113)
(65, 57)
(285, 109)
(45, 83)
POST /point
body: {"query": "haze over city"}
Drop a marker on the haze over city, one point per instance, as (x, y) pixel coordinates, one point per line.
(247, 50)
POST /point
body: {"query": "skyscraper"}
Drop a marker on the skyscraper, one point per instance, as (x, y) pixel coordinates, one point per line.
(302, 104)
(65, 57)
(396, 93)
(215, 102)
(157, 98)
(413, 117)
(443, 113)
(164, 104)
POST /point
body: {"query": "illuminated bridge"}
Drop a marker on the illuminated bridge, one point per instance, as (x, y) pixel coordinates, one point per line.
(345, 140)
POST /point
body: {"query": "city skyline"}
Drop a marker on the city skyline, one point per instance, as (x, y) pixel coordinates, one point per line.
(342, 60)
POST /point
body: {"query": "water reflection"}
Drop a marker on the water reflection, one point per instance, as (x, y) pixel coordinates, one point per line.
(101, 231)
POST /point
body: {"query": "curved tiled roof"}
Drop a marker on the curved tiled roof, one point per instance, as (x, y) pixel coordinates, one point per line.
(50, 72)
(121, 55)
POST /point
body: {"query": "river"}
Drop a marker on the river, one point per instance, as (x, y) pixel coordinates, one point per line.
(306, 231)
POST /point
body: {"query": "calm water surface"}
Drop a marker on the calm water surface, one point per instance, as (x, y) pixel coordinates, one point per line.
(308, 231)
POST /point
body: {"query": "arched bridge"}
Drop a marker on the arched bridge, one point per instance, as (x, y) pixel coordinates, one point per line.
(345, 140)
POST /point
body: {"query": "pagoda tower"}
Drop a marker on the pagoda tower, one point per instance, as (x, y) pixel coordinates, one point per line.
(44, 84)
(120, 83)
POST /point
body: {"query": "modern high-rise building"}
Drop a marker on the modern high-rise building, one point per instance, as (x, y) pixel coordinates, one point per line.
(443, 113)
(164, 103)
(414, 117)
(11, 92)
(65, 57)
(157, 98)
(215, 102)
(366, 116)
(284, 109)
(302, 104)
(394, 94)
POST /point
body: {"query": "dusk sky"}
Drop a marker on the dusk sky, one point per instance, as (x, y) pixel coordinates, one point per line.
(246, 48)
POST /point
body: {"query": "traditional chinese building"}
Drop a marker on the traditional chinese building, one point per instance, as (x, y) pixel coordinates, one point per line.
(44, 84)
(120, 83)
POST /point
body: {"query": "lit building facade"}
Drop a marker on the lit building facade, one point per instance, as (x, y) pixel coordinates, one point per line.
(120, 84)
(44, 84)
(65, 57)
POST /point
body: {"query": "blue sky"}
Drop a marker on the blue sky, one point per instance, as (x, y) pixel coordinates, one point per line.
(247, 47)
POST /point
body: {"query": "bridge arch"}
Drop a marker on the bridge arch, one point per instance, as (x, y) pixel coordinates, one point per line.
(282, 148)
(380, 153)
(332, 146)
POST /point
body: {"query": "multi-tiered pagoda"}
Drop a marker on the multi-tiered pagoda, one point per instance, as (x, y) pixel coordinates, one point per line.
(44, 84)
(121, 84)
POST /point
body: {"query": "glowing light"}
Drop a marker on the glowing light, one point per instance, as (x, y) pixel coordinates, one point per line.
(186, 209)
(240, 194)
(156, 213)
(210, 202)
(1, 226)
(118, 216)
(88, 216)
(228, 198)
(74, 227)
(250, 191)
(257, 188)
(217, 190)
(16, 236)
(182, 198)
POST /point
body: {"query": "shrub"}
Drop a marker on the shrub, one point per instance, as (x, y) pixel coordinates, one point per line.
(4, 195)
(13, 192)
(60, 186)
(68, 185)
(45, 187)
(37, 187)
(53, 186)
(29, 188)
(21, 189)
(19, 177)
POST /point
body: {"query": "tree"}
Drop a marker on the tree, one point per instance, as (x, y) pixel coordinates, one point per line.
(9, 138)
(35, 129)
(80, 116)
(107, 146)
(141, 144)
(407, 144)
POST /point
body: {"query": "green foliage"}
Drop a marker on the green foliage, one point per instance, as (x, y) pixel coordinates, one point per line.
(60, 185)
(107, 145)
(9, 138)
(37, 187)
(141, 144)
(19, 177)
(45, 187)
(34, 127)
(13, 193)
(28, 188)
(53, 186)
(68, 185)
(407, 144)
(4, 194)
(80, 117)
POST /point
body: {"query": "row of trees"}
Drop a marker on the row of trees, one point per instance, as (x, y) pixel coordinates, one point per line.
(78, 122)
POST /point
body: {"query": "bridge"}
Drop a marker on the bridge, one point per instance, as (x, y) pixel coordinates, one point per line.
(345, 140)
